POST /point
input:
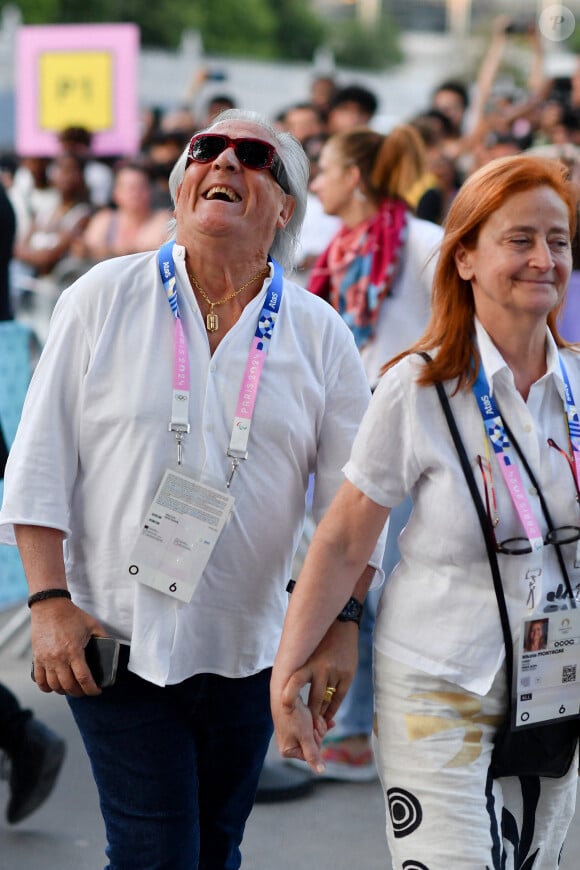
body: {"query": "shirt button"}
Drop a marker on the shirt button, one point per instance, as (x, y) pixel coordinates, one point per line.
(528, 427)
(212, 367)
(532, 490)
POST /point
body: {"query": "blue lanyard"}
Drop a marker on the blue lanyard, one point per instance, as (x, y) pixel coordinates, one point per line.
(573, 421)
(500, 442)
(179, 423)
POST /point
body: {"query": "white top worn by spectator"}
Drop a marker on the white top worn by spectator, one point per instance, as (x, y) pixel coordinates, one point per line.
(318, 230)
(421, 620)
(405, 311)
(94, 442)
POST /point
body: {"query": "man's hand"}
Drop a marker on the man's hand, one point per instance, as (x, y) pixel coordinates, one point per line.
(60, 633)
(332, 665)
(297, 734)
(60, 630)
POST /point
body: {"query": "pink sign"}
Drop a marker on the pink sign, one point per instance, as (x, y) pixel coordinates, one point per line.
(76, 75)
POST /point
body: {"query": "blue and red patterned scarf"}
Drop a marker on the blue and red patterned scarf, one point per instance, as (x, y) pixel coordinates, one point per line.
(356, 271)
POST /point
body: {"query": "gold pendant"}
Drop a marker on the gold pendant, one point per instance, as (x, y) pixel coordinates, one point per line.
(212, 322)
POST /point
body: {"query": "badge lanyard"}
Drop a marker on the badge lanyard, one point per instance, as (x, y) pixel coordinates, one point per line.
(496, 432)
(179, 424)
(497, 435)
(573, 424)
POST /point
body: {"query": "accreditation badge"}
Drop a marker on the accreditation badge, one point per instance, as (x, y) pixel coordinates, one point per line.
(179, 533)
(547, 683)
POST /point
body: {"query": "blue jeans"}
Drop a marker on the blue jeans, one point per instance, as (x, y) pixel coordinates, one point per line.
(176, 768)
(355, 715)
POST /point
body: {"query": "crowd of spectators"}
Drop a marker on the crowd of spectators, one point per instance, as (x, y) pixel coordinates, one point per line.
(124, 203)
(75, 209)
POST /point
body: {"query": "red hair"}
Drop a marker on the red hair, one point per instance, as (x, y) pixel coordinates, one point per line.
(450, 329)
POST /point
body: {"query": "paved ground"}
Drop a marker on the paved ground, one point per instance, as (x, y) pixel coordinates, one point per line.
(338, 826)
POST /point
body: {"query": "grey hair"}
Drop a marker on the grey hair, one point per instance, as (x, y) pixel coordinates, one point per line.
(297, 168)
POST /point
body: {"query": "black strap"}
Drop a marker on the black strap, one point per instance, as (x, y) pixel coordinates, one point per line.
(483, 521)
(3, 453)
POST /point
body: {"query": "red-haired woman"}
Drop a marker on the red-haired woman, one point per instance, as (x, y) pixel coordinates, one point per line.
(440, 680)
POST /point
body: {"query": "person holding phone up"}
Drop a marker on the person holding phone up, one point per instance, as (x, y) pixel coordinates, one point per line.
(156, 490)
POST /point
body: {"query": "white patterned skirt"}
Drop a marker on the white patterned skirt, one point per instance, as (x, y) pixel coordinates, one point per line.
(433, 743)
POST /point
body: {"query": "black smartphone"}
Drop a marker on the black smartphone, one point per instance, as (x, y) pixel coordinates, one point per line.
(102, 655)
(519, 27)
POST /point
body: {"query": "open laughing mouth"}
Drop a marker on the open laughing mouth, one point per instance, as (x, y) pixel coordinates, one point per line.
(223, 194)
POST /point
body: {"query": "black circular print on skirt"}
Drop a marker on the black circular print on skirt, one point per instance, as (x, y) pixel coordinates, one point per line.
(405, 811)
(414, 865)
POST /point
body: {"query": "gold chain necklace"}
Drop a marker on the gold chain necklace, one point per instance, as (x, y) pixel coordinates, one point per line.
(211, 319)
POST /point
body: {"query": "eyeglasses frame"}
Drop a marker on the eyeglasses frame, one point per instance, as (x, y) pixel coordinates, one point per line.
(493, 521)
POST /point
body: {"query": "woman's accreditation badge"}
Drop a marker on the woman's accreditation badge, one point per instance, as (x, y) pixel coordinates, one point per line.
(547, 686)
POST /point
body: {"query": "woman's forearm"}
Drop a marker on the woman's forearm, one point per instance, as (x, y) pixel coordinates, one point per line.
(336, 563)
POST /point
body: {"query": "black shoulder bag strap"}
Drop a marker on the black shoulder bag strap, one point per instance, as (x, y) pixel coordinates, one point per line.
(3, 453)
(468, 472)
(482, 516)
(543, 750)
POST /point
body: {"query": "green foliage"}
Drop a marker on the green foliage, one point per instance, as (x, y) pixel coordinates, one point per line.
(285, 29)
(299, 31)
(232, 27)
(573, 43)
(161, 24)
(266, 29)
(37, 11)
(356, 45)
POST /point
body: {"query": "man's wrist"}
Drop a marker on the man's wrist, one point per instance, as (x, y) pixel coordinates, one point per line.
(45, 594)
(351, 612)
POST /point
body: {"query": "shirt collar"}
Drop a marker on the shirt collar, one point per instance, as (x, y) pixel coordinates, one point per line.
(495, 366)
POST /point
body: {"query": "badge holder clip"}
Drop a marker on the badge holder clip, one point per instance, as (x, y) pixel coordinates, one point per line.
(180, 430)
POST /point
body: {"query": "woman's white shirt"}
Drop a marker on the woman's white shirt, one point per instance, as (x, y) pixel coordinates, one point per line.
(438, 611)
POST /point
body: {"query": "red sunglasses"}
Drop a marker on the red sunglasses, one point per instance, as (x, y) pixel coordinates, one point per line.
(252, 153)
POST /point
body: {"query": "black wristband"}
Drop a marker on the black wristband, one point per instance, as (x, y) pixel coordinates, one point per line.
(48, 593)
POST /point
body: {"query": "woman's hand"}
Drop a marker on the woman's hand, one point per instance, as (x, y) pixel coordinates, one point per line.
(298, 735)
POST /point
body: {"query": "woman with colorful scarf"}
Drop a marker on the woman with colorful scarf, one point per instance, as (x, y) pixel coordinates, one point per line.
(377, 270)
